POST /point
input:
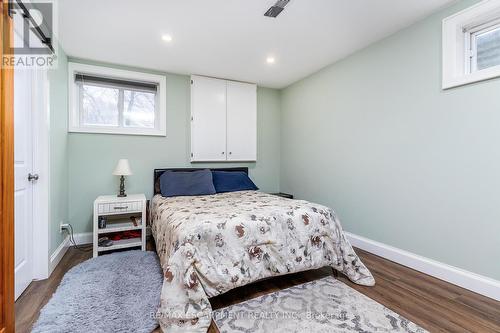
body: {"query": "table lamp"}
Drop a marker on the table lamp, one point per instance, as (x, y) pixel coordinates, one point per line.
(122, 169)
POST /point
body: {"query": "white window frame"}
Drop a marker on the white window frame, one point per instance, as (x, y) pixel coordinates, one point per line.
(458, 31)
(471, 42)
(101, 71)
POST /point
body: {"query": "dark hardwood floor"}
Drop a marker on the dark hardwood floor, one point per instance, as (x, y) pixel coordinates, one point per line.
(433, 304)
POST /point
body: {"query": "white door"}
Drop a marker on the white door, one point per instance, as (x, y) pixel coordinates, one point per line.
(241, 121)
(208, 123)
(23, 196)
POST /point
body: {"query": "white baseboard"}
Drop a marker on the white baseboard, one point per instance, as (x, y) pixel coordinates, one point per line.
(477, 283)
(56, 257)
(83, 238)
(80, 239)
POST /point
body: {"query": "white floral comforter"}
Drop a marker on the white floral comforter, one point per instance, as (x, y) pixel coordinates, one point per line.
(211, 244)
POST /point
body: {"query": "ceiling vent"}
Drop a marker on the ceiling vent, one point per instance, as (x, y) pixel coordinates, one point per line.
(277, 8)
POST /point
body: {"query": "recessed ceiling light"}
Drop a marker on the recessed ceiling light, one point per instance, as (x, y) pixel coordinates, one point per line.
(270, 60)
(166, 38)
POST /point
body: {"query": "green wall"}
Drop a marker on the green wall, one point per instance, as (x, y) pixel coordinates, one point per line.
(373, 136)
(92, 157)
(401, 161)
(58, 161)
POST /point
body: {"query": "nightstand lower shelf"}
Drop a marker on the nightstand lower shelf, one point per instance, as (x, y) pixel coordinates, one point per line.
(117, 227)
(121, 244)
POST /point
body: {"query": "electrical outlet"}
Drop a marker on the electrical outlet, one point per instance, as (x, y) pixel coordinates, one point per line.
(64, 226)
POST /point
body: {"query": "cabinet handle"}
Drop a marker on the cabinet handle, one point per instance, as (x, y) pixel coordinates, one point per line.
(125, 207)
(222, 153)
(230, 152)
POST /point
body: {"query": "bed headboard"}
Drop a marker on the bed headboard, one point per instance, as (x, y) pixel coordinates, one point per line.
(159, 172)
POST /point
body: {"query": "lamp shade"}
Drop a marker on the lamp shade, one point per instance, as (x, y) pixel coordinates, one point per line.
(122, 168)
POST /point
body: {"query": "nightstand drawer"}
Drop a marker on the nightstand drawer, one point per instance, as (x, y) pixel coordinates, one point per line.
(119, 207)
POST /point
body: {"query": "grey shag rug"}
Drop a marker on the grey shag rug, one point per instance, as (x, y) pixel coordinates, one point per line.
(118, 292)
(321, 306)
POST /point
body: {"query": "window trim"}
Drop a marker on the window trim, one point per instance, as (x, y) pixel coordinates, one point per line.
(456, 32)
(74, 100)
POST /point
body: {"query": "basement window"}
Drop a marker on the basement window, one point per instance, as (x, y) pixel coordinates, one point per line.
(471, 45)
(105, 100)
(484, 46)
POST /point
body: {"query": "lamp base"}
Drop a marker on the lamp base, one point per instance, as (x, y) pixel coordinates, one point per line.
(122, 188)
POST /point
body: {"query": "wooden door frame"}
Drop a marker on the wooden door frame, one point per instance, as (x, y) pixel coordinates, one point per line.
(7, 322)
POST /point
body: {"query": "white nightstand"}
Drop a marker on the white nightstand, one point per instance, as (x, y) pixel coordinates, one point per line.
(118, 213)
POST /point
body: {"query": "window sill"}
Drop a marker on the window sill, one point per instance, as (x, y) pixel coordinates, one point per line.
(483, 75)
(117, 131)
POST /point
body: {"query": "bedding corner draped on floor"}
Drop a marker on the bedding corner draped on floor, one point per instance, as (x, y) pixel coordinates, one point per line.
(211, 244)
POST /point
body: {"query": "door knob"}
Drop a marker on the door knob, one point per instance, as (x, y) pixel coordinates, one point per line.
(32, 177)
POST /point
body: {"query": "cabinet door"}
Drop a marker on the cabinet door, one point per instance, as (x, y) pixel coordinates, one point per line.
(208, 123)
(241, 121)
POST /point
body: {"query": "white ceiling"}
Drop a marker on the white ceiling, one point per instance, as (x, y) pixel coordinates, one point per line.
(231, 38)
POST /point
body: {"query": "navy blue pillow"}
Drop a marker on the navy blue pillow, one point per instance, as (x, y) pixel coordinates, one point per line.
(232, 181)
(180, 183)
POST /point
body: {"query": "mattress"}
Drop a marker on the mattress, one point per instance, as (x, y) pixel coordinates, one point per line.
(211, 244)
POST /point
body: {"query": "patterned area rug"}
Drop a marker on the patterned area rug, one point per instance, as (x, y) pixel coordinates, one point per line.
(320, 306)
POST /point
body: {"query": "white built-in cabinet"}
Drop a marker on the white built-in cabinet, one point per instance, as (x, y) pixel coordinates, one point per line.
(223, 120)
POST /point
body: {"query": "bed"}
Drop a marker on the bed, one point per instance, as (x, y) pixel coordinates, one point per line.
(211, 244)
